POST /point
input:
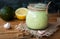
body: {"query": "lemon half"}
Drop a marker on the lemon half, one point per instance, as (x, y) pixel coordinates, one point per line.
(21, 13)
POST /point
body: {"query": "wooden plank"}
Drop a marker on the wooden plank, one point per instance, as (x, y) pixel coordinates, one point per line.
(12, 33)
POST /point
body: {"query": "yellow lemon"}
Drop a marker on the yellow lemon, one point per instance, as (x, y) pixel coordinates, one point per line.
(21, 13)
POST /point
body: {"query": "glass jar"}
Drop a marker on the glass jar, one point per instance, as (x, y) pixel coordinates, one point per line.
(37, 17)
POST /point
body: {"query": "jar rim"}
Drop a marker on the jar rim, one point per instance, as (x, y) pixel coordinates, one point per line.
(38, 7)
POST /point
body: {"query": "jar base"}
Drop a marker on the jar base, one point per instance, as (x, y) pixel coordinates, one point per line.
(37, 29)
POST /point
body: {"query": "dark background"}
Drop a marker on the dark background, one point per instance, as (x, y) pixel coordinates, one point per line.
(53, 7)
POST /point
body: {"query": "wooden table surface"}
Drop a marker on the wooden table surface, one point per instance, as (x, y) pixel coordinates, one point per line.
(12, 33)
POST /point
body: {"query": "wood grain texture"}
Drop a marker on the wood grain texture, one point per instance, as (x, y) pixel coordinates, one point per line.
(12, 33)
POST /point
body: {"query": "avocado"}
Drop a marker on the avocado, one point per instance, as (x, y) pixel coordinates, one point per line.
(7, 13)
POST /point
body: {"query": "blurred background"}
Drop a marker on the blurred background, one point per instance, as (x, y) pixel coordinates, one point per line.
(53, 7)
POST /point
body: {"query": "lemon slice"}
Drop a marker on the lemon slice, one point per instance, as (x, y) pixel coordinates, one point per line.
(21, 13)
